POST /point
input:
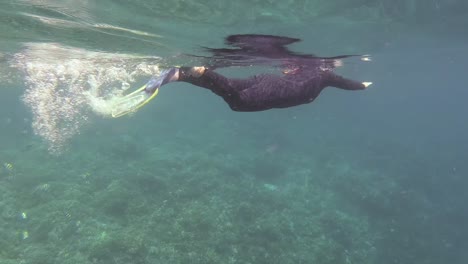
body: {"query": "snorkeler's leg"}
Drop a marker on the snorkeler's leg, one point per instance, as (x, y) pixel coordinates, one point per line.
(334, 80)
(217, 83)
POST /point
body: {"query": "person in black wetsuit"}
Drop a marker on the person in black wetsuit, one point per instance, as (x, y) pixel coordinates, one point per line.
(303, 76)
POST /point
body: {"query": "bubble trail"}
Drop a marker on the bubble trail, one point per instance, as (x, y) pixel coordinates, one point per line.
(65, 85)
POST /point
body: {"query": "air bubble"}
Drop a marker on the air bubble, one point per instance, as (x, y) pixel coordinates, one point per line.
(66, 84)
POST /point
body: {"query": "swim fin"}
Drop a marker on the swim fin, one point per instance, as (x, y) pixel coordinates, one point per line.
(135, 100)
(132, 102)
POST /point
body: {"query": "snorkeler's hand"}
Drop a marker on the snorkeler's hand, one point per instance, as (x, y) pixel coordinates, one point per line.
(367, 84)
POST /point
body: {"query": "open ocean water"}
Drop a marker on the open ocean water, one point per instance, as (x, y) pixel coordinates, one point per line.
(375, 176)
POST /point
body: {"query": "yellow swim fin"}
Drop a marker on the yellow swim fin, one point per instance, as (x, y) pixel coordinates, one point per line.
(132, 102)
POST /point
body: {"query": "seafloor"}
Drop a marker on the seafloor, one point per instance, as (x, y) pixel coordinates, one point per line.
(226, 197)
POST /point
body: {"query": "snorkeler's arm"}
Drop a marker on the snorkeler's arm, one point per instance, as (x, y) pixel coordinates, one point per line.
(334, 80)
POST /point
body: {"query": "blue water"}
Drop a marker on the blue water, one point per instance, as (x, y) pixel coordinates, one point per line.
(375, 176)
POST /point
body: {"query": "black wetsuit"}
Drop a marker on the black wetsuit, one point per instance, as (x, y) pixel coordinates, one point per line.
(307, 75)
(267, 91)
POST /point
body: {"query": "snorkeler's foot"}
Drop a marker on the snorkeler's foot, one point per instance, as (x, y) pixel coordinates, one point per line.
(172, 75)
(367, 84)
(166, 76)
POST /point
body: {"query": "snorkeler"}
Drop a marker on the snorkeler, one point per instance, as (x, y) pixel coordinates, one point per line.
(301, 80)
